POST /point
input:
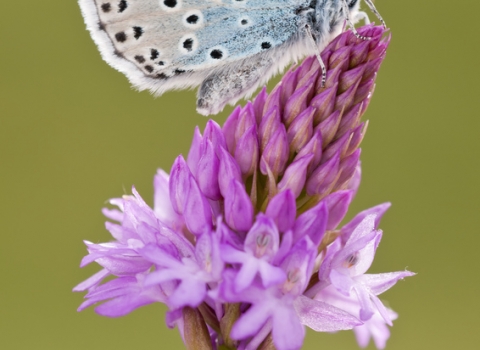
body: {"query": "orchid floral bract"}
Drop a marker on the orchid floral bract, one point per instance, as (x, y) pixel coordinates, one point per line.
(244, 243)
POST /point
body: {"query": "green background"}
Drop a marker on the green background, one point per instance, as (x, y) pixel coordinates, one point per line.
(74, 134)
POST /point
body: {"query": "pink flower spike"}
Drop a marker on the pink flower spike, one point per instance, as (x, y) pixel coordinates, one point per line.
(243, 243)
(275, 154)
(300, 130)
(197, 211)
(179, 184)
(377, 212)
(347, 168)
(339, 146)
(312, 223)
(295, 176)
(229, 129)
(195, 150)
(238, 207)
(269, 125)
(324, 104)
(214, 133)
(207, 171)
(162, 206)
(314, 146)
(259, 104)
(229, 170)
(324, 177)
(246, 120)
(328, 127)
(337, 204)
(289, 83)
(247, 152)
(282, 210)
(296, 104)
(351, 77)
(274, 99)
(350, 120)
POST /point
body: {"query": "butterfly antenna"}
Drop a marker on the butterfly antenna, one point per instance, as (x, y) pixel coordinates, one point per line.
(350, 23)
(317, 53)
(374, 10)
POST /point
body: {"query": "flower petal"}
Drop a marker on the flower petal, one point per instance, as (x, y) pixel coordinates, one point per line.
(381, 282)
(323, 317)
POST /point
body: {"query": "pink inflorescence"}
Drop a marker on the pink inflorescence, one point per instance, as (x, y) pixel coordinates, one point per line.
(243, 243)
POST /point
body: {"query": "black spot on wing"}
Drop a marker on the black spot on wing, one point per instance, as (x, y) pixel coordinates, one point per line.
(154, 54)
(137, 32)
(188, 44)
(139, 59)
(122, 6)
(170, 3)
(216, 54)
(266, 45)
(149, 69)
(121, 37)
(106, 7)
(193, 19)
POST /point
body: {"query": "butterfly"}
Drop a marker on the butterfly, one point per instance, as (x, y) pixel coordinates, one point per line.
(226, 47)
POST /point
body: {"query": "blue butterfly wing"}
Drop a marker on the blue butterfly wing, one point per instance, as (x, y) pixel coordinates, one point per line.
(173, 44)
(240, 33)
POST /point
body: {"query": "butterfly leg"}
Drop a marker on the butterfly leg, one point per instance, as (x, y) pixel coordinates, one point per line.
(361, 15)
(375, 11)
(350, 23)
(317, 53)
(233, 82)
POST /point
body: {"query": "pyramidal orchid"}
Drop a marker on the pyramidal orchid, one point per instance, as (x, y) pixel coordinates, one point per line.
(244, 243)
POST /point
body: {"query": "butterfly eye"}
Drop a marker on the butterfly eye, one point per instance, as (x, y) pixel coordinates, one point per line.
(352, 3)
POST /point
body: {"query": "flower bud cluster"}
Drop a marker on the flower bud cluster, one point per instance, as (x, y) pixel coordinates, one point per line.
(243, 243)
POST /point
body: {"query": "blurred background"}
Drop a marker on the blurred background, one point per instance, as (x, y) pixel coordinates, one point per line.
(74, 134)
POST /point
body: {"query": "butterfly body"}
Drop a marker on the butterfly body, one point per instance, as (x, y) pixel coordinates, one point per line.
(227, 47)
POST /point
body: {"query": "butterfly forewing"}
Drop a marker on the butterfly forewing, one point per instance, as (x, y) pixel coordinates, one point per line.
(164, 38)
